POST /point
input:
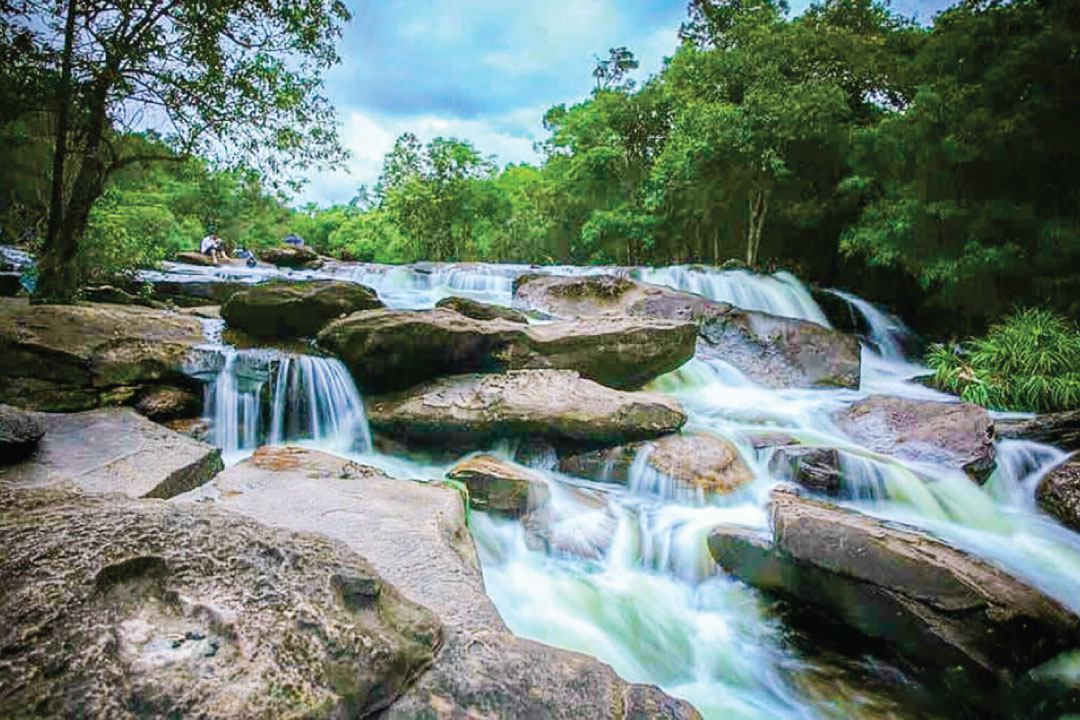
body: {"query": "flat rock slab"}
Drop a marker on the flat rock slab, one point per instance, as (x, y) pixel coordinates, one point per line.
(77, 357)
(544, 403)
(132, 609)
(114, 450)
(415, 537)
(390, 350)
(771, 350)
(957, 435)
(929, 600)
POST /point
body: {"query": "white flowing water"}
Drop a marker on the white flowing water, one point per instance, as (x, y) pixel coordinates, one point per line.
(624, 573)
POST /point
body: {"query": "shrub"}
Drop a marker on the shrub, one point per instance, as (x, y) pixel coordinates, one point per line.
(1030, 362)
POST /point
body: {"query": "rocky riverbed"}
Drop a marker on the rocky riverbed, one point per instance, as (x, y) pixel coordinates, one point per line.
(578, 507)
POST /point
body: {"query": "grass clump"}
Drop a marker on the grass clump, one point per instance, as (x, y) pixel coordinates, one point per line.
(1030, 362)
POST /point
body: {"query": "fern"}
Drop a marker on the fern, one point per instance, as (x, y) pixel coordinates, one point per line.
(1029, 362)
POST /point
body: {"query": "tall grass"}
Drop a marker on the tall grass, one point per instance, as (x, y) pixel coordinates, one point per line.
(1030, 362)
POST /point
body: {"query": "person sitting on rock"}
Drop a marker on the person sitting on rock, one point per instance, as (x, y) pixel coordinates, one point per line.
(211, 245)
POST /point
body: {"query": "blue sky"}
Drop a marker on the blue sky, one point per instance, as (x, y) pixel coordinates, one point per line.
(485, 70)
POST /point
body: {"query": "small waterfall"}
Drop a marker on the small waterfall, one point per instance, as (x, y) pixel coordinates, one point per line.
(315, 399)
(888, 334)
(778, 294)
(311, 399)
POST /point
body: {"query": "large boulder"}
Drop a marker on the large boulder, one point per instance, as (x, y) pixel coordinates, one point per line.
(929, 600)
(190, 257)
(957, 435)
(19, 434)
(545, 403)
(131, 609)
(771, 350)
(292, 256)
(195, 290)
(76, 357)
(114, 450)
(481, 311)
(1061, 429)
(1059, 493)
(415, 537)
(291, 309)
(391, 350)
(498, 486)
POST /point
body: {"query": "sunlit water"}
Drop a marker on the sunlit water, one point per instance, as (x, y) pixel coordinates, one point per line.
(627, 576)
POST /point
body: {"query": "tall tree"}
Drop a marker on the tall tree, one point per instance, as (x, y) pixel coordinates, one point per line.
(234, 80)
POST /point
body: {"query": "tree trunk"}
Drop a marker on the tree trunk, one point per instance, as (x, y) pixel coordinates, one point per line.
(758, 209)
(51, 267)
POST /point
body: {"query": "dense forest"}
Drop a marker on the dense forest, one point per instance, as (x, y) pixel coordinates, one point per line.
(931, 169)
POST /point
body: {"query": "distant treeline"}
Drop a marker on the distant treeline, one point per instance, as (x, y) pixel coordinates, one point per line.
(933, 169)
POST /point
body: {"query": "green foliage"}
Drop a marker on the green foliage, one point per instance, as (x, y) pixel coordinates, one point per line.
(1029, 362)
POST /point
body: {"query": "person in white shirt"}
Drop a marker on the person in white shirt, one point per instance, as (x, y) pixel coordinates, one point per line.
(211, 245)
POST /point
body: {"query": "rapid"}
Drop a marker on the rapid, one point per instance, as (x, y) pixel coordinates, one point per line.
(627, 576)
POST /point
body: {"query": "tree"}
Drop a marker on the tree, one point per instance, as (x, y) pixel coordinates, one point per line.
(233, 80)
(610, 74)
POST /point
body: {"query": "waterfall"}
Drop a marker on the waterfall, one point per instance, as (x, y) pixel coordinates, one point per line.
(888, 334)
(778, 294)
(311, 400)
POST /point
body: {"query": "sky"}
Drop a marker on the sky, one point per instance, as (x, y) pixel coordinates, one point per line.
(485, 71)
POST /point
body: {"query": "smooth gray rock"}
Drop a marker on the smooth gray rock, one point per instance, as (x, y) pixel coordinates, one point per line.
(481, 311)
(958, 435)
(125, 608)
(281, 309)
(1059, 493)
(937, 604)
(541, 403)
(1061, 429)
(415, 537)
(114, 450)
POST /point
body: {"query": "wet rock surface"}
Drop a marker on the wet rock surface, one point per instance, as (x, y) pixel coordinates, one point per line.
(392, 350)
(169, 402)
(77, 357)
(1059, 493)
(958, 435)
(126, 608)
(114, 450)
(1062, 429)
(542, 403)
(479, 310)
(498, 486)
(414, 535)
(19, 434)
(930, 601)
(295, 309)
(815, 468)
(774, 351)
(194, 258)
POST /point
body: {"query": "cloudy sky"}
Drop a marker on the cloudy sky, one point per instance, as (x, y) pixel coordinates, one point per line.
(485, 70)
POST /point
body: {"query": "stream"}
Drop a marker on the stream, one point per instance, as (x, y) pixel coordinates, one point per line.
(630, 580)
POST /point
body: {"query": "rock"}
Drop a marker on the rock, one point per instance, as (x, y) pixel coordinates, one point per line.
(815, 468)
(391, 350)
(498, 486)
(208, 312)
(415, 537)
(128, 609)
(114, 450)
(1059, 493)
(694, 461)
(19, 434)
(544, 403)
(196, 428)
(1061, 429)
(117, 296)
(77, 357)
(194, 258)
(167, 402)
(197, 290)
(291, 309)
(481, 311)
(293, 256)
(699, 461)
(930, 601)
(957, 435)
(774, 351)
